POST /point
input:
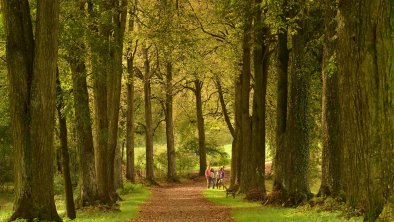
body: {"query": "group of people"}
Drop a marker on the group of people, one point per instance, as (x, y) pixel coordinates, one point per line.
(214, 178)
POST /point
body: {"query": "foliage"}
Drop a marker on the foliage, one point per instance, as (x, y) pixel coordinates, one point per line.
(217, 155)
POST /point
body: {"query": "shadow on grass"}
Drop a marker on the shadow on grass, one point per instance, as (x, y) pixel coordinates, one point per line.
(254, 211)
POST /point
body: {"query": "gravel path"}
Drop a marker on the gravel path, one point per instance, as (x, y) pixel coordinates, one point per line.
(182, 202)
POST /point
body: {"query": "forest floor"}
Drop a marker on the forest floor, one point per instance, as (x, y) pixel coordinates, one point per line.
(182, 202)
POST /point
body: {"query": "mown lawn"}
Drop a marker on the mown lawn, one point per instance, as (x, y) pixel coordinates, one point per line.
(133, 196)
(251, 211)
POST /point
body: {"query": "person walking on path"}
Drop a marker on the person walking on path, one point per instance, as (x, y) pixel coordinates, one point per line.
(208, 176)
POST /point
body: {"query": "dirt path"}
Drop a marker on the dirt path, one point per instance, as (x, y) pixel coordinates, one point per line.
(182, 202)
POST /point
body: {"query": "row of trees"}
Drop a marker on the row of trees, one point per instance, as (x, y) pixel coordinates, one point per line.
(89, 44)
(266, 59)
(348, 42)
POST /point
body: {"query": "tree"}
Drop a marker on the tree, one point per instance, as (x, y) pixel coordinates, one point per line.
(331, 163)
(202, 150)
(107, 55)
(171, 174)
(261, 59)
(293, 121)
(365, 72)
(148, 116)
(31, 64)
(130, 129)
(73, 36)
(119, 16)
(246, 127)
(281, 101)
(68, 189)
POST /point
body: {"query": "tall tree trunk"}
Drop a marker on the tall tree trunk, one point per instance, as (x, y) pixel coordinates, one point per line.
(99, 43)
(148, 118)
(331, 164)
(20, 55)
(304, 64)
(68, 189)
(31, 68)
(114, 87)
(83, 126)
(297, 135)
(171, 174)
(246, 129)
(202, 150)
(237, 143)
(107, 57)
(366, 92)
(281, 105)
(130, 170)
(83, 123)
(261, 63)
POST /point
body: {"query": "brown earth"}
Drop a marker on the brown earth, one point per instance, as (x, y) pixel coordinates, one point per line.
(182, 202)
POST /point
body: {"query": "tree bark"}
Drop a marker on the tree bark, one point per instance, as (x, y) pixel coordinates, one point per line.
(201, 128)
(261, 62)
(99, 44)
(366, 92)
(114, 87)
(68, 189)
(148, 118)
(246, 128)
(31, 65)
(237, 143)
(281, 105)
(130, 170)
(304, 63)
(107, 47)
(331, 164)
(83, 126)
(297, 135)
(83, 123)
(118, 178)
(171, 174)
(20, 55)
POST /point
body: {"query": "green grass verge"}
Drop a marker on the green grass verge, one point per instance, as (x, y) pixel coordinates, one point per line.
(252, 211)
(133, 196)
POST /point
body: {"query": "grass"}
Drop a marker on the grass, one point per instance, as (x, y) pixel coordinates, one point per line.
(6, 200)
(253, 211)
(133, 196)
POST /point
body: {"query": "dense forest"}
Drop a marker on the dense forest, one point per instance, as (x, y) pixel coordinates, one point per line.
(99, 93)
